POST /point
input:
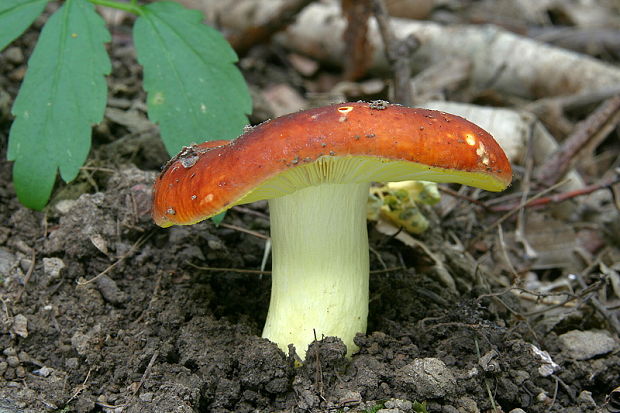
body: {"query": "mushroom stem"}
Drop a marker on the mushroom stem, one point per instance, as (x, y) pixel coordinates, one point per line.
(319, 266)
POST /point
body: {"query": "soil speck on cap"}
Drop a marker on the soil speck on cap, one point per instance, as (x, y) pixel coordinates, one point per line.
(188, 156)
(378, 104)
(189, 161)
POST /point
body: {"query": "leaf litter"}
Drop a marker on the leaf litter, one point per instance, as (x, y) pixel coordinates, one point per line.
(448, 323)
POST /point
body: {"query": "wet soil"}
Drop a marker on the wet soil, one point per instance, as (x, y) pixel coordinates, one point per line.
(101, 311)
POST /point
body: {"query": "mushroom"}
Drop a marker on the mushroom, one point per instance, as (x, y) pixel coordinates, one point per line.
(315, 168)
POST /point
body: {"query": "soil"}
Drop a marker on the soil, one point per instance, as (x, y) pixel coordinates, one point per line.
(101, 311)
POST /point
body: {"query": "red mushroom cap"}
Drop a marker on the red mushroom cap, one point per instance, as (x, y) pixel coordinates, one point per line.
(344, 143)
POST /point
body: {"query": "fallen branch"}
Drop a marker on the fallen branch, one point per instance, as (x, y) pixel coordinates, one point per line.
(253, 35)
(557, 198)
(588, 133)
(358, 51)
(513, 211)
(502, 60)
(398, 53)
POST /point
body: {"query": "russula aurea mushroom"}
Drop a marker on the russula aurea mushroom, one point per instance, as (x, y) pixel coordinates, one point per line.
(315, 168)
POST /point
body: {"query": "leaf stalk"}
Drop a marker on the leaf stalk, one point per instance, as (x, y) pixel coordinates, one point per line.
(131, 7)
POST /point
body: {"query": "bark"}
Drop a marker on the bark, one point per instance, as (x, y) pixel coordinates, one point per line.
(501, 60)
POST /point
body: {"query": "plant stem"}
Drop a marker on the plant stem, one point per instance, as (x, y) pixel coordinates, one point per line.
(131, 7)
(319, 266)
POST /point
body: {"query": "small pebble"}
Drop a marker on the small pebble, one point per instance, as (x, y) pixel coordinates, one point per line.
(405, 405)
(584, 345)
(428, 377)
(20, 325)
(9, 351)
(7, 261)
(9, 374)
(468, 405)
(64, 206)
(43, 371)
(72, 363)
(585, 398)
(52, 266)
(13, 361)
(110, 291)
(14, 55)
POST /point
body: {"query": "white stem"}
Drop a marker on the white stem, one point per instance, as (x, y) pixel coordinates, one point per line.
(319, 266)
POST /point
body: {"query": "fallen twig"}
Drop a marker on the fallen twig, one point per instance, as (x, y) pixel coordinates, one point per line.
(587, 133)
(259, 272)
(222, 269)
(398, 53)
(547, 71)
(455, 194)
(512, 212)
(357, 55)
(250, 211)
(79, 389)
(573, 102)
(134, 248)
(27, 277)
(610, 317)
(245, 230)
(253, 35)
(563, 196)
(147, 371)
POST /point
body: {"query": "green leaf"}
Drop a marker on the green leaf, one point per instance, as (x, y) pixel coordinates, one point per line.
(195, 92)
(419, 407)
(16, 16)
(217, 219)
(63, 94)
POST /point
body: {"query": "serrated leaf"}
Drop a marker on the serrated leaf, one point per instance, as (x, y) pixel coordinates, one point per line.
(195, 92)
(63, 94)
(16, 16)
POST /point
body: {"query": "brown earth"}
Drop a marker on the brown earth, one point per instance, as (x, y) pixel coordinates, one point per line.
(101, 311)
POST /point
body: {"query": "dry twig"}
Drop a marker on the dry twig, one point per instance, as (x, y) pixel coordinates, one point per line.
(398, 53)
(259, 272)
(588, 133)
(251, 36)
(27, 277)
(245, 230)
(357, 56)
(147, 371)
(134, 248)
(512, 212)
(79, 389)
(563, 196)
